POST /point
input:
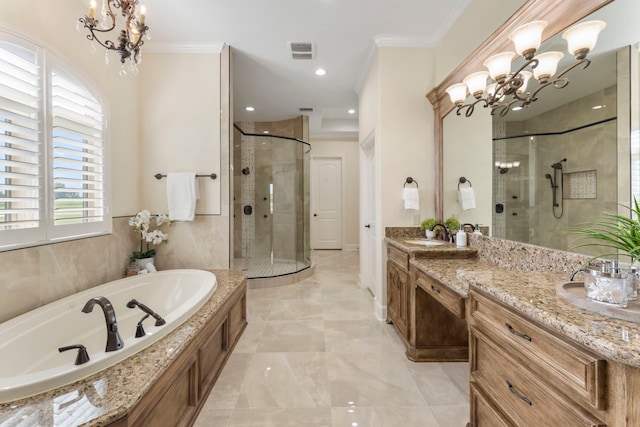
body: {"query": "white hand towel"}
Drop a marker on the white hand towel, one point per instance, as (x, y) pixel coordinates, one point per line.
(467, 198)
(182, 194)
(411, 198)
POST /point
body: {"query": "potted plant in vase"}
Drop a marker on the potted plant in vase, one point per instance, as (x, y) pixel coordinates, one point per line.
(426, 227)
(620, 234)
(148, 236)
(453, 225)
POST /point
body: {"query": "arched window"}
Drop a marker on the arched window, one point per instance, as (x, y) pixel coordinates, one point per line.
(53, 159)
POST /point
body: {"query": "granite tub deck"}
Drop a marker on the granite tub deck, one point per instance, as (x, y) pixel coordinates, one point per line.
(533, 295)
(111, 394)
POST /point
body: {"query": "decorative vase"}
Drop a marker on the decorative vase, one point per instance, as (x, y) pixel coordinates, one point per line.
(142, 262)
(430, 234)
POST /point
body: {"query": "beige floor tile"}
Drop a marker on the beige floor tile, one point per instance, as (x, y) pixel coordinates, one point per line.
(286, 380)
(313, 354)
(358, 336)
(371, 379)
(281, 417)
(296, 336)
(405, 416)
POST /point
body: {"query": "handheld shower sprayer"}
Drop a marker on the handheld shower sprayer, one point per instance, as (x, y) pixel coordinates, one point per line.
(550, 178)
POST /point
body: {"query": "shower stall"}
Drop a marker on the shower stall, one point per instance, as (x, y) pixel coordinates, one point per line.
(270, 203)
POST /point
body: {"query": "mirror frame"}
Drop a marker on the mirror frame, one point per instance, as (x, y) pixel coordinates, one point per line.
(558, 14)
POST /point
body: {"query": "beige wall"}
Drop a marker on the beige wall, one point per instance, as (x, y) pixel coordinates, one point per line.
(467, 152)
(36, 276)
(479, 20)
(347, 150)
(393, 108)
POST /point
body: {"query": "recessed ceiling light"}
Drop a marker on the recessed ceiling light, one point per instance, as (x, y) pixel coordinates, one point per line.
(321, 72)
(351, 111)
(250, 108)
(598, 107)
(518, 108)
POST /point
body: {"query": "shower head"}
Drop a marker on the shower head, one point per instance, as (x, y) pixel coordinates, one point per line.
(558, 165)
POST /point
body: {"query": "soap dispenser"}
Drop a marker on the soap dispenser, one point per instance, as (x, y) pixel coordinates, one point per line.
(461, 237)
(476, 230)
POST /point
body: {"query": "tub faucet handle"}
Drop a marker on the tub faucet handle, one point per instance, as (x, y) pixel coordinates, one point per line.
(82, 357)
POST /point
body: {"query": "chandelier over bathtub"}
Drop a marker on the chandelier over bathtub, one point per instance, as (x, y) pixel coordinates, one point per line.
(129, 40)
(508, 88)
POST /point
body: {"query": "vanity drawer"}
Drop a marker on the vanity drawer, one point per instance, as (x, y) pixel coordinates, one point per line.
(483, 413)
(572, 370)
(517, 393)
(441, 293)
(396, 255)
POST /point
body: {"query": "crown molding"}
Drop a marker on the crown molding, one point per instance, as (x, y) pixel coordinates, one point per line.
(184, 47)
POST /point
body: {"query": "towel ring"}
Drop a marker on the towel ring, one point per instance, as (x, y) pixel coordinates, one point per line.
(463, 180)
(410, 180)
(159, 176)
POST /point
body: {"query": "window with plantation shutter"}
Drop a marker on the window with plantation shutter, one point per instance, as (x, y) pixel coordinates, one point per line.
(78, 153)
(52, 150)
(21, 182)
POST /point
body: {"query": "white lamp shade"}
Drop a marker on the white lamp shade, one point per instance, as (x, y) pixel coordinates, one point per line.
(457, 93)
(547, 65)
(499, 65)
(527, 37)
(526, 75)
(582, 38)
(477, 82)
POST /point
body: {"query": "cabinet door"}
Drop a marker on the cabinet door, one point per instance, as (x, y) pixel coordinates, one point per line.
(398, 297)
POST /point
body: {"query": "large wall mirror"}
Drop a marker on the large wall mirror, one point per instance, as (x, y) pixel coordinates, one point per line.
(566, 158)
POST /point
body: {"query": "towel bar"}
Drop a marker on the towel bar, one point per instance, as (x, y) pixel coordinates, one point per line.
(463, 180)
(212, 176)
(410, 180)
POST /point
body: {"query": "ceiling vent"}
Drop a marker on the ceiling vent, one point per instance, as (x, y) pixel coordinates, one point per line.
(301, 50)
(306, 109)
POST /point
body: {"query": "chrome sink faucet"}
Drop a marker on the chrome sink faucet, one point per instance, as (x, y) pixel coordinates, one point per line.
(114, 342)
(445, 232)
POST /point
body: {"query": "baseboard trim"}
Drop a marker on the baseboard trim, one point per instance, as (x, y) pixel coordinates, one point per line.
(350, 247)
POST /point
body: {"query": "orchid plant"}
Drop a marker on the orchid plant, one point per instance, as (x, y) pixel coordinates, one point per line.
(141, 224)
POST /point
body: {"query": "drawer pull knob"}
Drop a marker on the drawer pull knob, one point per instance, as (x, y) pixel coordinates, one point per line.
(514, 332)
(434, 289)
(518, 395)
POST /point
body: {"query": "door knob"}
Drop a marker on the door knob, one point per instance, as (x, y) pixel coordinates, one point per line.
(367, 226)
(315, 214)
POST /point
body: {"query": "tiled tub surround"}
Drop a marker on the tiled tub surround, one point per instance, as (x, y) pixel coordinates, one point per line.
(112, 393)
(32, 277)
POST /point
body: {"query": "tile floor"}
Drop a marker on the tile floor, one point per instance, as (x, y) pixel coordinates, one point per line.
(313, 354)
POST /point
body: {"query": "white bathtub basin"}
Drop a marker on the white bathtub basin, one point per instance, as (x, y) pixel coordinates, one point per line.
(425, 242)
(29, 343)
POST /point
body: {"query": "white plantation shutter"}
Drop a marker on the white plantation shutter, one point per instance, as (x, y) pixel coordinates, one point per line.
(78, 153)
(70, 200)
(20, 144)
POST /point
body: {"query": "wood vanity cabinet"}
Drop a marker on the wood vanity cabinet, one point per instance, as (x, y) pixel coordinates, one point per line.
(398, 290)
(177, 397)
(524, 374)
(428, 316)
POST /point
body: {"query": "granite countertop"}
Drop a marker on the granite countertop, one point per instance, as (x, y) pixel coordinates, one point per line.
(445, 250)
(533, 294)
(110, 394)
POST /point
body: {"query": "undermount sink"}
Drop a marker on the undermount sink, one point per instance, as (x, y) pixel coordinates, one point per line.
(425, 242)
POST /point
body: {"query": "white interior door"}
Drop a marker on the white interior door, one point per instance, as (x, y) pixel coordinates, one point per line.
(326, 203)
